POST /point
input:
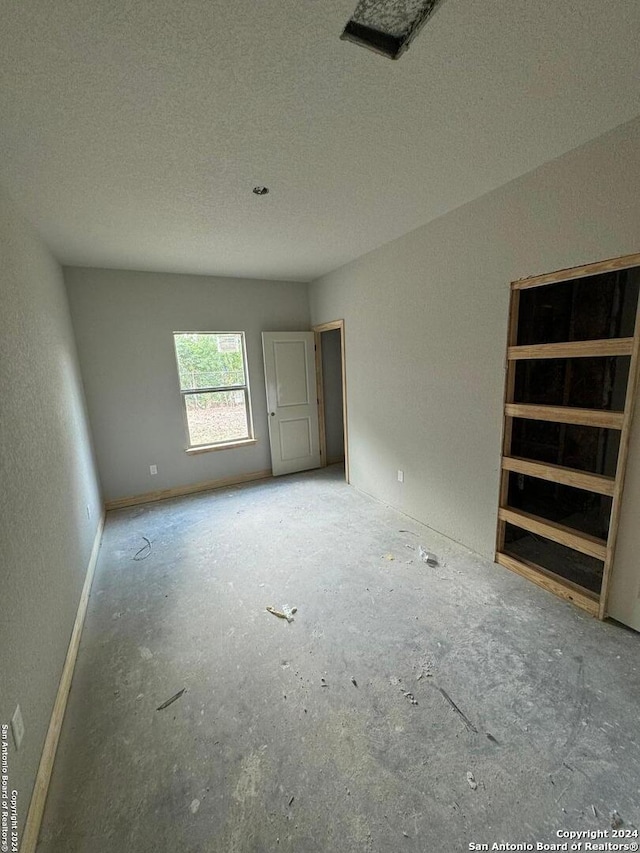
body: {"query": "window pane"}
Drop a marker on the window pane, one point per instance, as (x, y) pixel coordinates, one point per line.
(210, 360)
(216, 416)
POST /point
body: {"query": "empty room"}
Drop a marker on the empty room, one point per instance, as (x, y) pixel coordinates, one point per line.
(320, 477)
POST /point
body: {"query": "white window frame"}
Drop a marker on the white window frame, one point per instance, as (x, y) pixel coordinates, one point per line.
(245, 388)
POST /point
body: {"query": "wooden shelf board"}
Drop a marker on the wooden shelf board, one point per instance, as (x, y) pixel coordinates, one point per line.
(573, 349)
(566, 415)
(560, 533)
(557, 474)
(598, 268)
(552, 583)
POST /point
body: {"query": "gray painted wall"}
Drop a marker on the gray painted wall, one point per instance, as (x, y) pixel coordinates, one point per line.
(124, 324)
(425, 325)
(332, 388)
(48, 481)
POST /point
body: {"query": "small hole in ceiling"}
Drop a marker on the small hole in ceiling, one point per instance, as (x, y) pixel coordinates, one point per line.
(261, 190)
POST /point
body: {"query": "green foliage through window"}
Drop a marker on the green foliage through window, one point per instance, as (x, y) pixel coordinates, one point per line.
(213, 382)
(210, 360)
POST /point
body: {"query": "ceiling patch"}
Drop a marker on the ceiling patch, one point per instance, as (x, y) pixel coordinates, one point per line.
(388, 26)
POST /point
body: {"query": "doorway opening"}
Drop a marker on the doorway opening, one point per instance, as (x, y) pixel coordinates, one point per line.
(332, 394)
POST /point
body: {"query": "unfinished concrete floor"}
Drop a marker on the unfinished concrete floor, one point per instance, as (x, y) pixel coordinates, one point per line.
(273, 747)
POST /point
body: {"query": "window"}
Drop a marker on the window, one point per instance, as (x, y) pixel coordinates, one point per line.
(215, 387)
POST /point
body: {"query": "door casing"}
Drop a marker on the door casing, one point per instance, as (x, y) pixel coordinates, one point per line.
(318, 330)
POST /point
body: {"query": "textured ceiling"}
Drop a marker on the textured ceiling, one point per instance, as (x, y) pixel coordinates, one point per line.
(391, 16)
(132, 133)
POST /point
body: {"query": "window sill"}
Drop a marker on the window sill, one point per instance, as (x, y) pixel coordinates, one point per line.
(207, 448)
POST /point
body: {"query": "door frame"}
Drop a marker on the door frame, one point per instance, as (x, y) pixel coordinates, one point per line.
(318, 330)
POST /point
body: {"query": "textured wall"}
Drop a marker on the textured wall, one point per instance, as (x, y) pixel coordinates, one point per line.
(48, 481)
(426, 322)
(332, 382)
(124, 323)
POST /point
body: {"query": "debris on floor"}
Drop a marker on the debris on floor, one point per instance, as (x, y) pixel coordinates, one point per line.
(427, 557)
(354, 682)
(323, 683)
(410, 697)
(286, 612)
(144, 552)
(389, 557)
(291, 800)
(173, 699)
(593, 809)
(616, 820)
(462, 716)
(424, 667)
(471, 780)
(275, 612)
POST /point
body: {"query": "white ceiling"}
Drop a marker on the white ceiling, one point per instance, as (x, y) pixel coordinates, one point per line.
(132, 133)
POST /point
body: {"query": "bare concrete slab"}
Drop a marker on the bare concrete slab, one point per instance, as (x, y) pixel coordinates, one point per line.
(459, 669)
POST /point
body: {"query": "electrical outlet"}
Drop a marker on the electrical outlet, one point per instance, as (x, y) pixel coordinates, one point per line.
(153, 470)
(88, 512)
(400, 476)
(17, 726)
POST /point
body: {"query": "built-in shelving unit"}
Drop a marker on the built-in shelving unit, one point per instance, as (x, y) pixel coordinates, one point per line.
(571, 375)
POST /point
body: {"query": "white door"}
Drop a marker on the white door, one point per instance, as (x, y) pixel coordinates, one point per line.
(292, 404)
